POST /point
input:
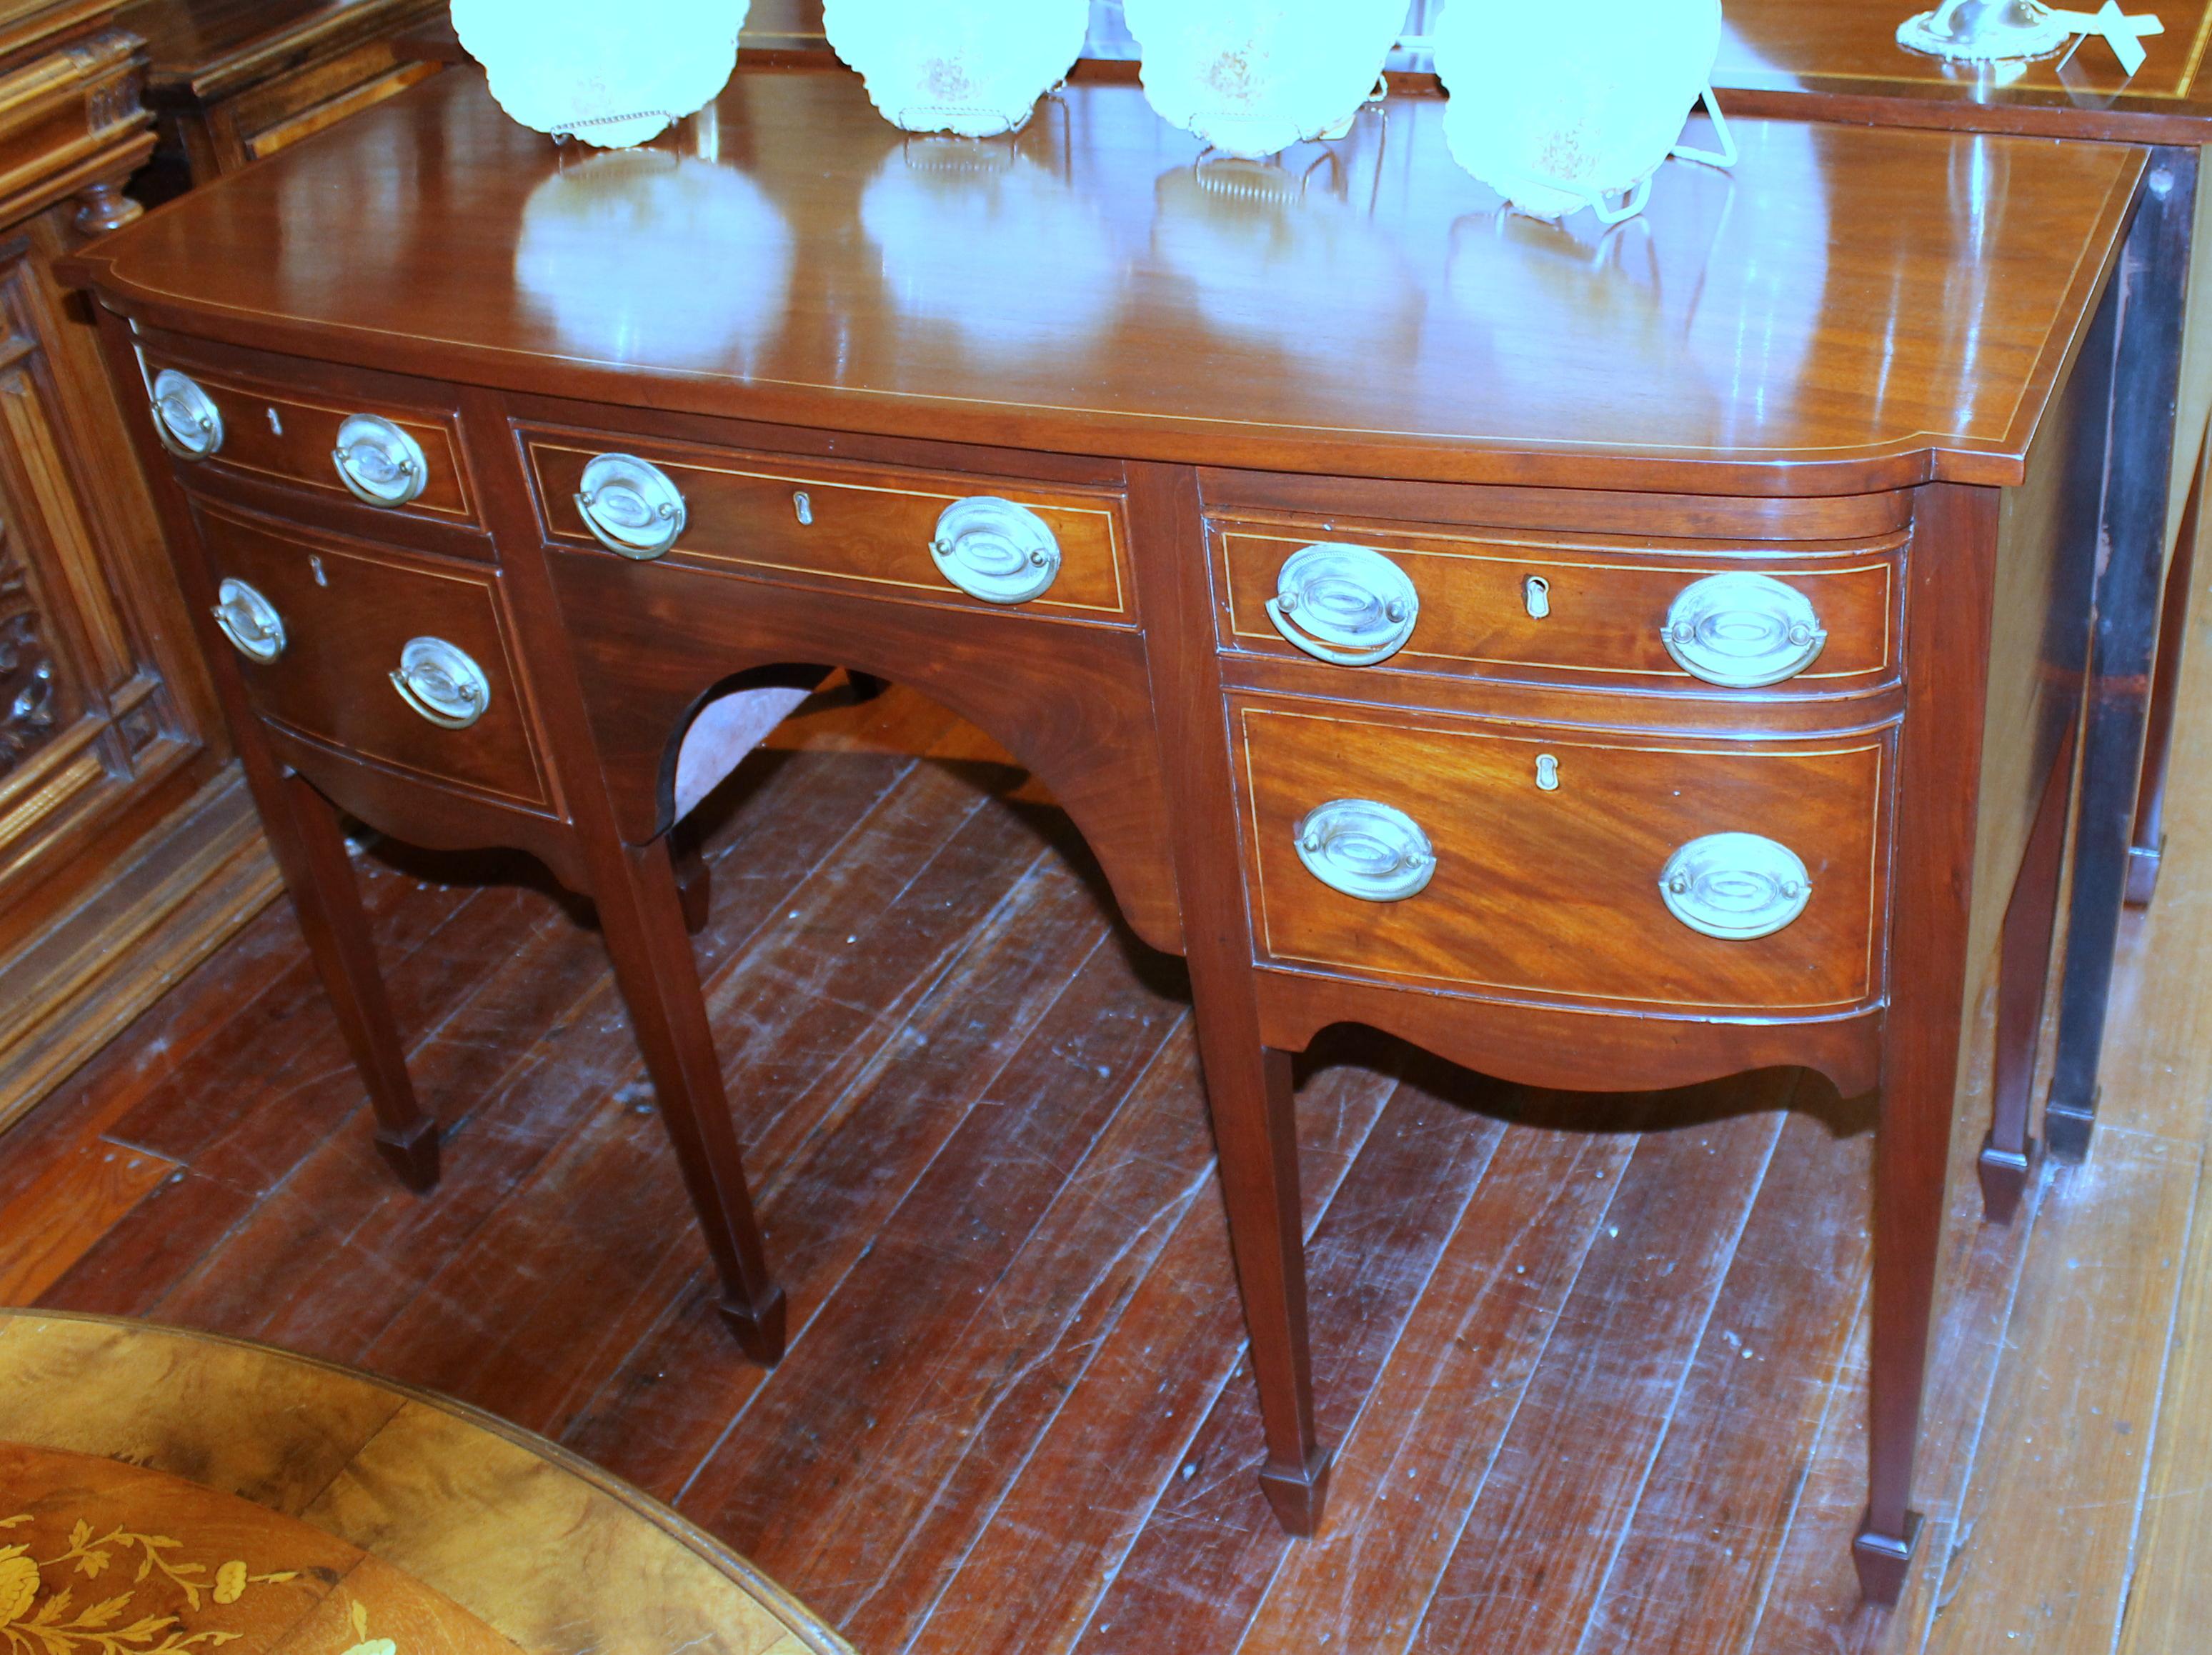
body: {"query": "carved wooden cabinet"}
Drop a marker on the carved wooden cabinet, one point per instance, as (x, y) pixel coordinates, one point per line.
(232, 80)
(125, 850)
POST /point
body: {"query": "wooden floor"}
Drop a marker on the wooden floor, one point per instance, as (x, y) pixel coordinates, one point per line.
(1596, 1364)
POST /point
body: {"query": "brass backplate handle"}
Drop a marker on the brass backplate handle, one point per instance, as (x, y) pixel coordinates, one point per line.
(441, 682)
(185, 418)
(1373, 851)
(1743, 630)
(996, 550)
(631, 506)
(1736, 886)
(379, 461)
(1347, 605)
(250, 622)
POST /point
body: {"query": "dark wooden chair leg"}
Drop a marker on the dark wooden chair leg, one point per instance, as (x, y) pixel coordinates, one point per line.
(2147, 848)
(695, 881)
(641, 914)
(304, 831)
(1256, 1130)
(2024, 973)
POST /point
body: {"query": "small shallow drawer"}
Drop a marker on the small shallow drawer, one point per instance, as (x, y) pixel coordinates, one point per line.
(403, 459)
(973, 541)
(1663, 873)
(393, 658)
(1512, 607)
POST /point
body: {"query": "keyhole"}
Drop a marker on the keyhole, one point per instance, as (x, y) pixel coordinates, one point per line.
(276, 424)
(1548, 772)
(1536, 593)
(804, 506)
(316, 564)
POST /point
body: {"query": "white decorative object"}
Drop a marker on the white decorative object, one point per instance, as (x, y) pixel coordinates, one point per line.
(612, 72)
(1987, 30)
(973, 67)
(599, 240)
(1562, 107)
(1251, 78)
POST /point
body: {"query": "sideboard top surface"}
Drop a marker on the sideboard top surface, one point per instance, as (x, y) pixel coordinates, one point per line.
(1850, 309)
(1828, 51)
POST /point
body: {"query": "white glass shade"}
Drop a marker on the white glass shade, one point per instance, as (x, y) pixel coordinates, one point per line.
(612, 72)
(973, 67)
(599, 242)
(1251, 78)
(1563, 106)
(941, 214)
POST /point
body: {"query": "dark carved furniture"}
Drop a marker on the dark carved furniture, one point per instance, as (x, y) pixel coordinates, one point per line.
(126, 851)
(1839, 60)
(232, 80)
(1608, 661)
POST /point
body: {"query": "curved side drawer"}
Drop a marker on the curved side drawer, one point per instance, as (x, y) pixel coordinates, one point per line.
(296, 438)
(354, 617)
(1574, 891)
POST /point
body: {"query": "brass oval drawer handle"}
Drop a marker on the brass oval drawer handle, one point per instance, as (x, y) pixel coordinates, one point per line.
(998, 551)
(1743, 630)
(250, 622)
(1373, 852)
(631, 506)
(379, 461)
(185, 418)
(1348, 605)
(1738, 886)
(442, 684)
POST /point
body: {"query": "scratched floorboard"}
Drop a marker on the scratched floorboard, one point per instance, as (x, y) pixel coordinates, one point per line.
(1595, 1367)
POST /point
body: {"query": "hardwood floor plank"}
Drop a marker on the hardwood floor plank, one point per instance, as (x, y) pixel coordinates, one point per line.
(49, 1226)
(1694, 1566)
(2048, 1519)
(1195, 1572)
(822, 1205)
(1571, 1469)
(1122, 1429)
(1411, 1467)
(132, 1267)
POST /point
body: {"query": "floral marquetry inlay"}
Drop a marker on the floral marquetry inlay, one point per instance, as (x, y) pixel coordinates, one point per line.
(69, 1603)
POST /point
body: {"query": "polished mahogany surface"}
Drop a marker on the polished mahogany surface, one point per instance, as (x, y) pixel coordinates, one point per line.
(1849, 309)
(1845, 48)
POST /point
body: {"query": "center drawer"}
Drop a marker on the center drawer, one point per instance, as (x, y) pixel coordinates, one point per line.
(398, 659)
(1663, 872)
(1823, 620)
(969, 542)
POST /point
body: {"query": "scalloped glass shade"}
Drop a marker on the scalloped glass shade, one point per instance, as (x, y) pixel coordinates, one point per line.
(972, 67)
(1561, 103)
(598, 242)
(1251, 78)
(611, 74)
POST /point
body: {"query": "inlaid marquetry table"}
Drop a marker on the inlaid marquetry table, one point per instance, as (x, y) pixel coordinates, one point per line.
(163, 1491)
(1609, 660)
(1840, 60)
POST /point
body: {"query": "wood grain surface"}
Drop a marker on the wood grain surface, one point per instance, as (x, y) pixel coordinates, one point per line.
(346, 1503)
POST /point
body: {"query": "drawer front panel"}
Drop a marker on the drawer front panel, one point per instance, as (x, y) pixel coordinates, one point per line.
(352, 616)
(1545, 854)
(1532, 609)
(294, 437)
(852, 525)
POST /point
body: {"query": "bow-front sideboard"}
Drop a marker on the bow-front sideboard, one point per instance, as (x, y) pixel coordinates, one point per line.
(1609, 661)
(1840, 61)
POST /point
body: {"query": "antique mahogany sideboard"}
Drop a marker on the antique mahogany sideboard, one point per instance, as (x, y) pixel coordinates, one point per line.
(1839, 60)
(1609, 661)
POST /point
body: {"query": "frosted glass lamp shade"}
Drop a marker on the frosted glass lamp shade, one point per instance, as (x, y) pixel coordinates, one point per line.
(971, 67)
(1572, 103)
(1251, 78)
(612, 72)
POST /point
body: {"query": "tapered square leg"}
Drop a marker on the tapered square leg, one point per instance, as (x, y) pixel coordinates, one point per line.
(1885, 1560)
(642, 914)
(304, 832)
